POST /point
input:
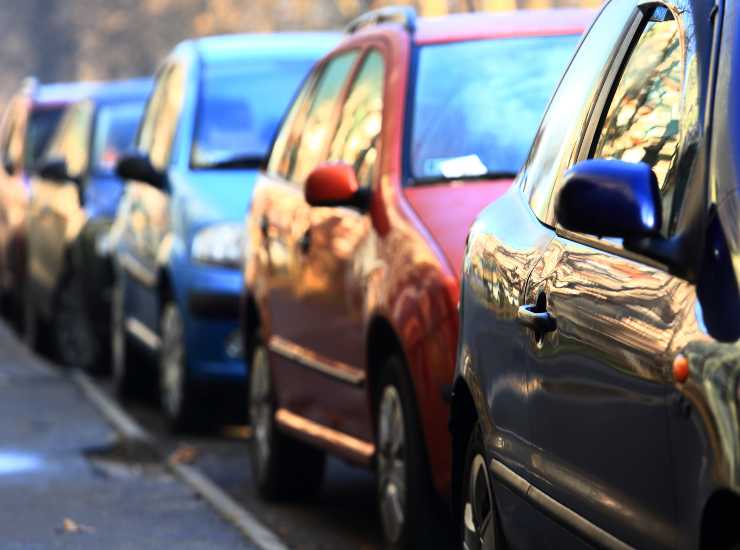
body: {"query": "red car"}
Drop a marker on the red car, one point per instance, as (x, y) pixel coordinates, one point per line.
(356, 234)
(28, 124)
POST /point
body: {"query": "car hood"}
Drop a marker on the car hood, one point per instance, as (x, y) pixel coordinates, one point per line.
(448, 210)
(208, 196)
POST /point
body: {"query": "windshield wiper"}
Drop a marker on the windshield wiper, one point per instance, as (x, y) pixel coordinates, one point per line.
(238, 161)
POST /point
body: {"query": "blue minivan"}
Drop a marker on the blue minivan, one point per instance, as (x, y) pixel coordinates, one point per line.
(177, 238)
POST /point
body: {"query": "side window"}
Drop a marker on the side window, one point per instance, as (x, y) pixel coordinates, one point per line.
(642, 120)
(72, 139)
(316, 131)
(559, 134)
(161, 117)
(8, 148)
(356, 141)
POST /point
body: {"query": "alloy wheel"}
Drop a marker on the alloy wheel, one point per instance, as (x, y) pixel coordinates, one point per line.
(479, 525)
(392, 463)
(172, 367)
(260, 405)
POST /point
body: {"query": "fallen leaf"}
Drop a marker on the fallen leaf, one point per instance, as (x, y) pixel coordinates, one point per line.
(184, 454)
(71, 526)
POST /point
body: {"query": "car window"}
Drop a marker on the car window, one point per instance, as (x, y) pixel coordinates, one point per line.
(558, 137)
(39, 130)
(162, 113)
(71, 141)
(318, 126)
(642, 121)
(239, 107)
(115, 129)
(358, 131)
(480, 118)
(9, 146)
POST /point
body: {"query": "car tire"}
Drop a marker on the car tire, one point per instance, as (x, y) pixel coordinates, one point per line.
(75, 341)
(33, 329)
(283, 467)
(480, 527)
(410, 512)
(128, 368)
(176, 390)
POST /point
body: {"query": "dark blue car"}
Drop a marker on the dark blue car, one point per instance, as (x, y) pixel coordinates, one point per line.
(207, 128)
(74, 195)
(597, 389)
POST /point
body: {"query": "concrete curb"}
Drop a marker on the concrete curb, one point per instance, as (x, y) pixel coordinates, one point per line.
(140, 445)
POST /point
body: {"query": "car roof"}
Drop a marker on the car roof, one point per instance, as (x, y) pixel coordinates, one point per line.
(121, 90)
(61, 94)
(234, 47)
(482, 25)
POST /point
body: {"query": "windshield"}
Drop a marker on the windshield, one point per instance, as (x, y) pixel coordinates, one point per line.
(115, 130)
(41, 126)
(478, 104)
(239, 109)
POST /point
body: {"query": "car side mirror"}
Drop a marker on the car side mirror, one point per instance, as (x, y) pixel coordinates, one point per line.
(55, 169)
(137, 166)
(610, 198)
(335, 184)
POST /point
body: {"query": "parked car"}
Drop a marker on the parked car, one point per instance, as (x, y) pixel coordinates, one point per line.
(356, 235)
(177, 238)
(596, 394)
(29, 121)
(74, 196)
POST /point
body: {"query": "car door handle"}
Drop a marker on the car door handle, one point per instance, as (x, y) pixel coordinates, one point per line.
(304, 243)
(538, 321)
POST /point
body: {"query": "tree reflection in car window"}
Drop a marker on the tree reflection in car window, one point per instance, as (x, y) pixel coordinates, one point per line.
(642, 123)
(356, 139)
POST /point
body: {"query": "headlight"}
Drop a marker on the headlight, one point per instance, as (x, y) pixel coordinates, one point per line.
(220, 244)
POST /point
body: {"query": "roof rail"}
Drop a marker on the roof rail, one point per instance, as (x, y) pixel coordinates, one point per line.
(30, 85)
(403, 15)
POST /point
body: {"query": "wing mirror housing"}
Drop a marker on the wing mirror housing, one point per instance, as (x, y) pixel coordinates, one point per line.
(137, 166)
(610, 198)
(335, 184)
(55, 169)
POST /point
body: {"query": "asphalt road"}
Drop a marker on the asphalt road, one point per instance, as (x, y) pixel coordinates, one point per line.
(64, 483)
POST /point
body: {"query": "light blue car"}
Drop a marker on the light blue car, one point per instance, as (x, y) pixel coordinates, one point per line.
(176, 239)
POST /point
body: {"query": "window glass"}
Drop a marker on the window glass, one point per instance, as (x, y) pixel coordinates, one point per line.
(11, 128)
(115, 129)
(477, 104)
(240, 105)
(282, 156)
(162, 113)
(72, 138)
(41, 126)
(555, 142)
(642, 122)
(319, 119)
(356, 139)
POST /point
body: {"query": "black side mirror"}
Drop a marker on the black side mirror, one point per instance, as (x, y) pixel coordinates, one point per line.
(610, 198)
(55, 169)
(137, 166)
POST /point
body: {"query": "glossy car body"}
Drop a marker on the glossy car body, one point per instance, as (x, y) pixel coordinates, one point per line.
(594, 430)
(334, 292)
(160, 257)
(74, 197)
(28, 124)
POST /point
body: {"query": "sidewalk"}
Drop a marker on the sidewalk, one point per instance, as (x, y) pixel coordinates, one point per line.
(61, 487)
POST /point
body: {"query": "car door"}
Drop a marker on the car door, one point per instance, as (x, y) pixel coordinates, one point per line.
(146, 208)
(599, 378)
(57, 213)
(286, 221)
(11, 155)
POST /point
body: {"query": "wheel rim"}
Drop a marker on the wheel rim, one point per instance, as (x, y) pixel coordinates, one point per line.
(75, 343)
(117, 335)
(478, 512)
(260, 405)
(392, 463)
(172, 363)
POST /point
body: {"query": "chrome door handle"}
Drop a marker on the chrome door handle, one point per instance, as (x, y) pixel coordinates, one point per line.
(538, 321)
(304, 243)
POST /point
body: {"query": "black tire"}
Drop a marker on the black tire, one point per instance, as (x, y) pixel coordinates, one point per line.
(479, 524)
(411, 513)
(177, 391)
(283, 467)
(32, 326)
(74, 339)
(129, 367)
